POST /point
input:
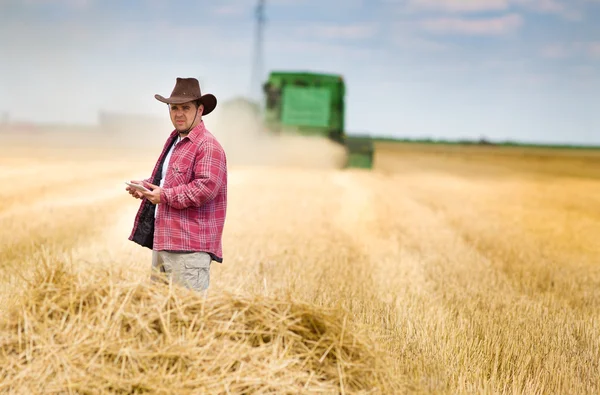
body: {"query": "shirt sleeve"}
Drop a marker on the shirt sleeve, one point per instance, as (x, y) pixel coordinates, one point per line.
(210, 175)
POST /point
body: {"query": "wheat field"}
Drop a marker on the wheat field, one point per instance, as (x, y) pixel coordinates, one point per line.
(444, 270)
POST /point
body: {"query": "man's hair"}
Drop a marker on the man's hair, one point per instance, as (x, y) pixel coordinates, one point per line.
(196, 103)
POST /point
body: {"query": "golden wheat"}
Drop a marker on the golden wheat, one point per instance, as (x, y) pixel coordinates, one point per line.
(438, 272)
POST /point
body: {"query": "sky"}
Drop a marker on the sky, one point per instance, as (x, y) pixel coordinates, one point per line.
(521, 70)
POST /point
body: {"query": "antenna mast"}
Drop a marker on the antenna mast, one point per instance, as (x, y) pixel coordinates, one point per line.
(255, 84)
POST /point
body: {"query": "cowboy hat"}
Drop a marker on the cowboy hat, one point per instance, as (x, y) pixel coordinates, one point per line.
(186, 90)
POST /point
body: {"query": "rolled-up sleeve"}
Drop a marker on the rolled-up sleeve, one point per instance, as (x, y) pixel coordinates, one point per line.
(210, 171)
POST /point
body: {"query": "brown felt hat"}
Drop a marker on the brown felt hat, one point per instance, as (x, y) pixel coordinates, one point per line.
(186, 90)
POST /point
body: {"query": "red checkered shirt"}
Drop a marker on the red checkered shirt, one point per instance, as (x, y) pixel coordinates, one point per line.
(193, 200)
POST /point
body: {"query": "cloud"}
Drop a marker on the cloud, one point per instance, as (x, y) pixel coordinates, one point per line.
(405, 35)
(312, 49)
(568, 9)
(459, 5)
(531, 79)
(312, 3)
(37, 3)
(329, 31)
(229, 9)
(93, 41)
(480, 26)
(593, 49)
(555, 51)
(557, 7)
(411, 42)
(590, 49)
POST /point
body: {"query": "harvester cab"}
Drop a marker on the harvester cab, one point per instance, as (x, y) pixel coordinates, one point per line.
(312, 104)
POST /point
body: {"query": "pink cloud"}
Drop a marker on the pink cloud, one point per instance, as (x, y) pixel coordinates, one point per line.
(481, 26)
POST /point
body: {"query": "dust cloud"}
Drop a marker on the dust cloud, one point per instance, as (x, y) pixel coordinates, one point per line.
(238, 127)
(236, 124)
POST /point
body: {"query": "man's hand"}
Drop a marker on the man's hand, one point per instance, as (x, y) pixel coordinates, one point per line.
(154, 195)
(134, 192)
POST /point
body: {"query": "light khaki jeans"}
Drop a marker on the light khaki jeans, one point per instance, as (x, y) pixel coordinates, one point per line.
(189, 269)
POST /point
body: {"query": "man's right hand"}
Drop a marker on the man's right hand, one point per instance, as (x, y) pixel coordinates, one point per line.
(134, 192)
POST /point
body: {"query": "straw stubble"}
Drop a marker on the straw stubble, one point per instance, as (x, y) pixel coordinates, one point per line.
(453, 273)
(88, 336)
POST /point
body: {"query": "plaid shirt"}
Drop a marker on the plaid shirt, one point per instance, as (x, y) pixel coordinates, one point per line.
(193, 200)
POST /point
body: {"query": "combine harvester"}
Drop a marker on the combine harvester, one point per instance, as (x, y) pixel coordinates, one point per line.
(312, 104)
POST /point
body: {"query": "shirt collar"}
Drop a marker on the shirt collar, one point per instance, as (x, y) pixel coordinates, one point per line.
(194, 134)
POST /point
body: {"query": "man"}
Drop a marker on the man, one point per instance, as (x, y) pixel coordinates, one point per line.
(181, 217)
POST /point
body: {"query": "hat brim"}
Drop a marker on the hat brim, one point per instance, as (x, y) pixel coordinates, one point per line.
(209, 101)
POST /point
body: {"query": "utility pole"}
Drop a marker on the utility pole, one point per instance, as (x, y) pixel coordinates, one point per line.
(256, 77)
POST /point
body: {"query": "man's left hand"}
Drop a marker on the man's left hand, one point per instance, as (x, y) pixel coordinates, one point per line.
(154, 195)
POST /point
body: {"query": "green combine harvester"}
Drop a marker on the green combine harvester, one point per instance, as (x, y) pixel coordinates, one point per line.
(312, 104)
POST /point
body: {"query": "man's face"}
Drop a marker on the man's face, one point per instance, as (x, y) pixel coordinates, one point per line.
(182, 115)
